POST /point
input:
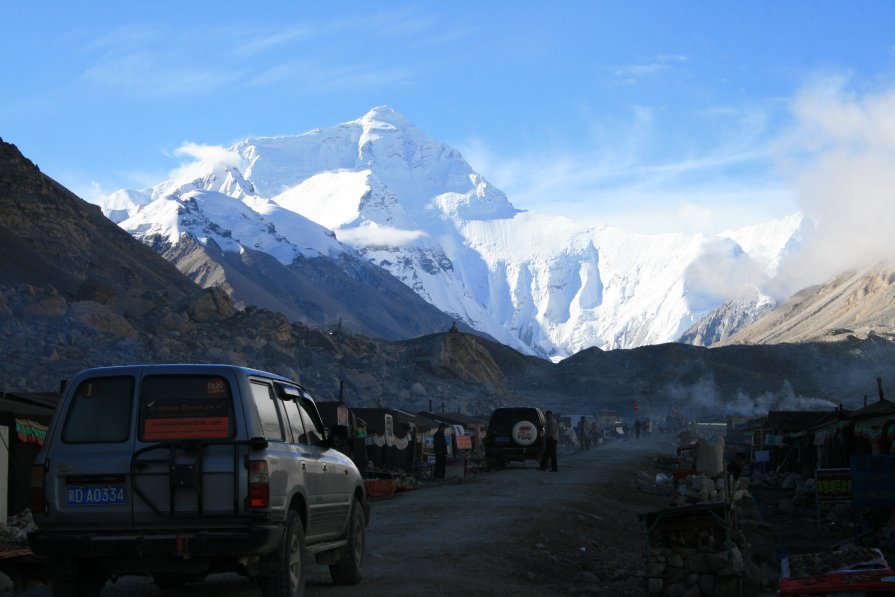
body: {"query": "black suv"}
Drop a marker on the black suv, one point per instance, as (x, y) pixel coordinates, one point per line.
(515, 434)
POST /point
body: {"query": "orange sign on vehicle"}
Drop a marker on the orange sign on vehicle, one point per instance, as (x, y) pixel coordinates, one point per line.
(186, 428)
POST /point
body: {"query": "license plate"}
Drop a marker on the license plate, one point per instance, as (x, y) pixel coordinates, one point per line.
(76, 495)
(501, 439)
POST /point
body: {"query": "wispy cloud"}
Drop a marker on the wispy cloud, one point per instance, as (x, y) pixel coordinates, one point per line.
(621, 180)
(308, 77)
(633, 72)
(402, 21)
(146, 75)
(265, 42)
(123, 40)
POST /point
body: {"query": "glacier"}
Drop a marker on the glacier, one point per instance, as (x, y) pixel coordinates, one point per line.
(545, 285)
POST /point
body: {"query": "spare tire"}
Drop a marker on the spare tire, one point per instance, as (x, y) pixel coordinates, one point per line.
(525, 433)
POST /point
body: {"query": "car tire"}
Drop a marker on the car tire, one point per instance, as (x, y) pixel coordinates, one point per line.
(288, 578)
(347, 570)
(524, 433)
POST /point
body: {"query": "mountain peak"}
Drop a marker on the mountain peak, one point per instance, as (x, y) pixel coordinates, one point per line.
(382, 115)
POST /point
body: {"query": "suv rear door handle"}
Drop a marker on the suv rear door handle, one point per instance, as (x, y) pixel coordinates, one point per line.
(304, 466)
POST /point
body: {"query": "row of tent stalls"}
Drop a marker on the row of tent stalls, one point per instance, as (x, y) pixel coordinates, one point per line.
(803, 441)
(26, 417)
(384, 441)
(388, 441)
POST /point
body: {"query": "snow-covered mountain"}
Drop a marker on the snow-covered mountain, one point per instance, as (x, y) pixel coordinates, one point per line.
(267, 256)
(413, 206)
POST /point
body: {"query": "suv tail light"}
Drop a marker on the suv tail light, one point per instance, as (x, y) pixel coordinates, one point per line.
(38, 498)
(259, 484)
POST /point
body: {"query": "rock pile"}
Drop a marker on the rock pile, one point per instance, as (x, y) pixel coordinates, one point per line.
(696, 572)
(696, 549)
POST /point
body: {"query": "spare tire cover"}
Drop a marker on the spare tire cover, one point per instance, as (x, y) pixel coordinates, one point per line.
(525, 433)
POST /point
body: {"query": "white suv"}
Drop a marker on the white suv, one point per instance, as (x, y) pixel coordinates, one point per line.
(177, 471)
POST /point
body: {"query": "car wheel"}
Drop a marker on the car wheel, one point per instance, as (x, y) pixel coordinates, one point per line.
(347, 570)
(288, 578)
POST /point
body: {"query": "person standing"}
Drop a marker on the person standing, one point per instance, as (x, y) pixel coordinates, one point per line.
(550, 443)
(583, 440)
(440, 447)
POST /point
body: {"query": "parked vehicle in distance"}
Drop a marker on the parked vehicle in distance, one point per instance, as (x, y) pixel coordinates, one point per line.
(515, 434)
(178, 471)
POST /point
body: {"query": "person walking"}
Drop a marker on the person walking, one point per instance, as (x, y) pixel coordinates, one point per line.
(440, 447)
(583, 440)
(550, 443)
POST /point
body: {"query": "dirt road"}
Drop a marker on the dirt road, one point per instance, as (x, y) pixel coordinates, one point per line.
(517, 532)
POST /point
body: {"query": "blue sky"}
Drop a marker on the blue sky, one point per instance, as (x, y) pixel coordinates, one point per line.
(653, 116)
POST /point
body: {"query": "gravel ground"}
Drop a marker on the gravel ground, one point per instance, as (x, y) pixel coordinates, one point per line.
(519, 531)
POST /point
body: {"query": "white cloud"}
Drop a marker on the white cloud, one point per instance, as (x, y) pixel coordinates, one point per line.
(842, 153)
(630, 73)
(371, 234)
(202, 158)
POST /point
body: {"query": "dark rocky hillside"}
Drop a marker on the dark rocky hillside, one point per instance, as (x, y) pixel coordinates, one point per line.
(76, 291)
(49, 234)
(733, 380)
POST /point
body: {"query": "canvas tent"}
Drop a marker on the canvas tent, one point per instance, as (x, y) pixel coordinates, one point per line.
(27, 417)
(391, 440)
(872, 428)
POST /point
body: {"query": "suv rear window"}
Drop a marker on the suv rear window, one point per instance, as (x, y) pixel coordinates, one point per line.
(185, 407)
(100, 411)
(503, 419)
